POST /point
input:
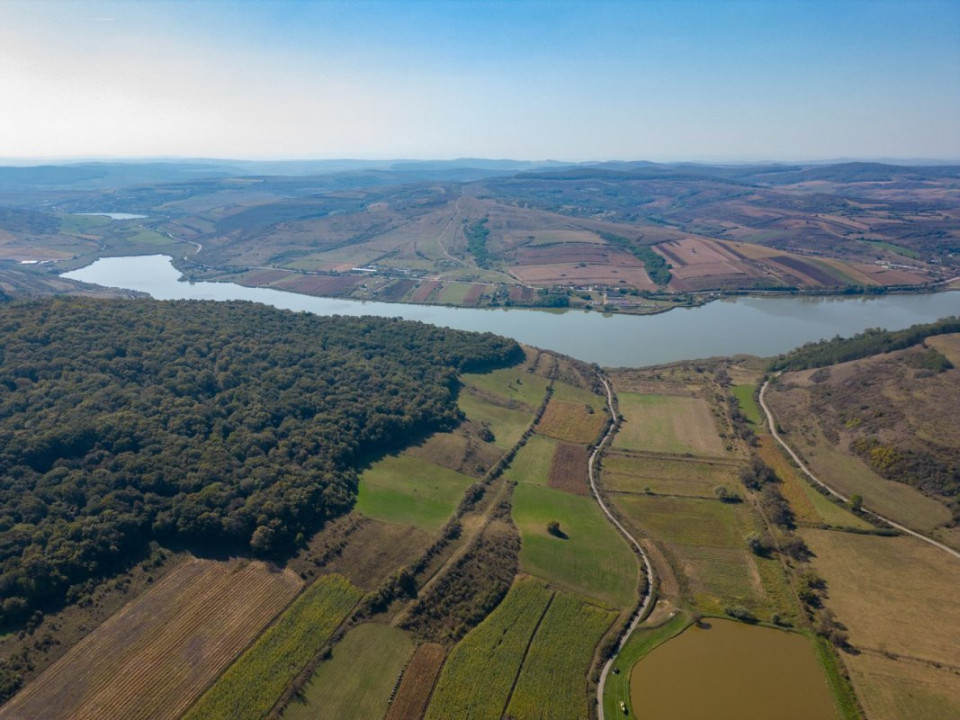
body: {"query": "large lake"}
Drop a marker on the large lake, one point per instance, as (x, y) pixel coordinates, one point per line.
(754, 325)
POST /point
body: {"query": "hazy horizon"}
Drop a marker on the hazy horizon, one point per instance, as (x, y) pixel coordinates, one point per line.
(574, 81)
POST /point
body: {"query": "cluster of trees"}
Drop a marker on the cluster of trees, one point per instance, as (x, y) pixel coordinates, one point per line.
(477, 234)
(658, 269)
(203, 424)
(870, 342)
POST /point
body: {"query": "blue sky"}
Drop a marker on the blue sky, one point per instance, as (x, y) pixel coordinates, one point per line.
(568, 80)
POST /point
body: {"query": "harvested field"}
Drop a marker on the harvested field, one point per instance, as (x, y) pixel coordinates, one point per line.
(154, 657)
(492, 652)
(423, 293)
(418, 681)
(395, 291)
(694, 251)
(262, 278)
(574, 274)
(522, 294)
(808, 271)
(568, 470)
(259, 677)
(357, 681)
(883, 275)
(949, 345)
(574, 253)
(571, 422)
(907, 630)
(553, 237)
(667, 423)
(665, 475)
(474, 294)
(553, 679)
(325, 285)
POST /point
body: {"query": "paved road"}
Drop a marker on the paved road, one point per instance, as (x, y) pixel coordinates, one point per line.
(773, 429)
(647, 568)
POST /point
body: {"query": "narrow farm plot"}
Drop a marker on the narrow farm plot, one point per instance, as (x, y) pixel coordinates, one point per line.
(417, 685)
(532, 463)
(508, 424)
(254, 683)
(667, 423)
(553, 680)
(157, 655)
(481, 670)
(572, 422)
(568, 469)
(748, 404)
(897, 597)
(592, 559)
(639, 473)
(410, 490)
(358, 679)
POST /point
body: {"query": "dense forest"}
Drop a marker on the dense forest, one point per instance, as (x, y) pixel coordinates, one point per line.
(218, 425)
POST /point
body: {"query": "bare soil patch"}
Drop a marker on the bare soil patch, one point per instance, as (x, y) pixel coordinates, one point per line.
(568, 469)
(417, 684)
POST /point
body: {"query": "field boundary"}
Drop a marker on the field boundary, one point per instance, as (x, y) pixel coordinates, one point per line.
(526, 651)
(771, 421)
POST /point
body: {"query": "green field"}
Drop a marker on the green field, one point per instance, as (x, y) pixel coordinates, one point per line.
(508, 425)
(689, 521)
(566, 392)
(454, 293)
(411, 491)
(553, 679)
(592, 560)
(357, 680)
(748, 405)
(643, 640)
(899, 249)
(532, 464)
(510, 384)
(477, 678)
(253, 684)
(667, 424)
(665, 476)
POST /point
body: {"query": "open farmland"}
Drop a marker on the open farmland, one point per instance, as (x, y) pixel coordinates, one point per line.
(568, 470)
(667, 423)
(419, 678)
(533, 462)
(255, 682)
(630, 472)
(481, 670)
(571, 422)
(410, 490)
(552, 682)
(897, 598)
(592, 560)
(510, 423)
(510, 385)
(154, 657)
(357, 680)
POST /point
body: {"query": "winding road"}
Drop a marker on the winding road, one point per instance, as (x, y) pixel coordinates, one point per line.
(771, 422)
(648, 569)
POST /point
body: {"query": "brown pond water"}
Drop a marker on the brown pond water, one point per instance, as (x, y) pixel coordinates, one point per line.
(731, 671)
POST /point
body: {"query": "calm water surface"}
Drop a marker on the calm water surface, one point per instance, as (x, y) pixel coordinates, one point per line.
(731, 671)
(754, 325)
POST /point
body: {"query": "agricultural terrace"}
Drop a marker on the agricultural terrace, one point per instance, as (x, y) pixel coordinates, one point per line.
(552, 682)
(417, 685)
(572, 422)
(624, 472)
(155, 656)
(357, 680)
(410, 490)
(874, 588)
(591, 558)
(667, 424)
(481, 670)
(254, 683)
